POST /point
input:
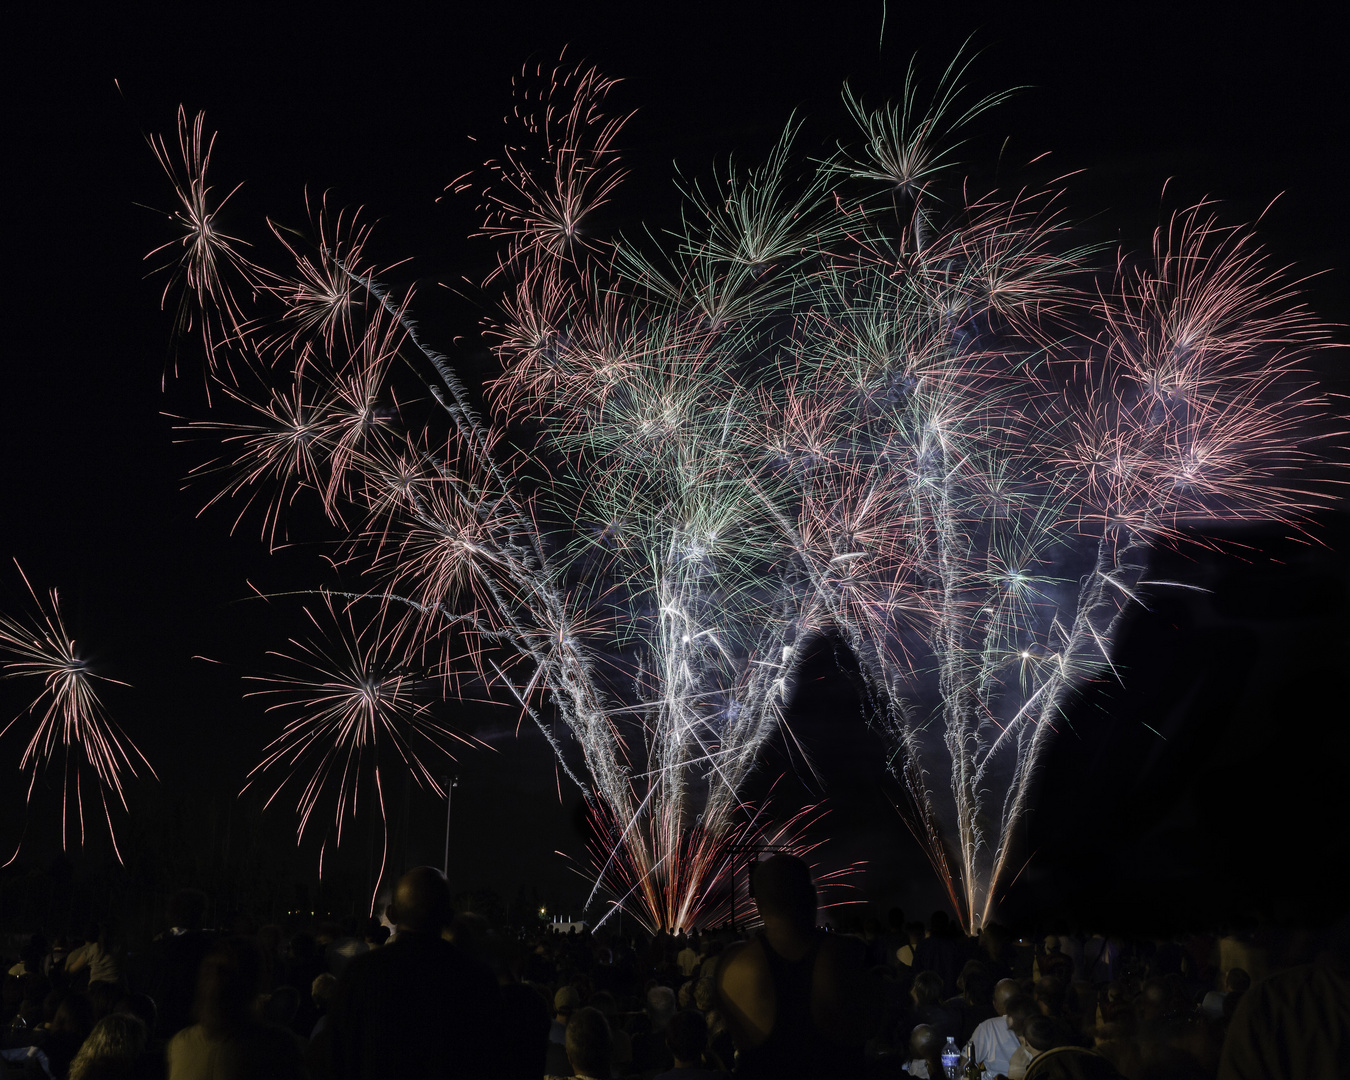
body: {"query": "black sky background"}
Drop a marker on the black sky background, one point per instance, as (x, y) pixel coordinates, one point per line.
(1210, 783)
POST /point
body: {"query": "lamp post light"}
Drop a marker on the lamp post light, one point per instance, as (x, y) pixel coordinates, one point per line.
(451, 782)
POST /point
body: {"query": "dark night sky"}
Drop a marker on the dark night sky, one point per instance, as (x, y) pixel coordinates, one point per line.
(1239, 804)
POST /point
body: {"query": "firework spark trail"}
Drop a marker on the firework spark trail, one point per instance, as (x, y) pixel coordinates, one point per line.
(837, 402)
(73, 725)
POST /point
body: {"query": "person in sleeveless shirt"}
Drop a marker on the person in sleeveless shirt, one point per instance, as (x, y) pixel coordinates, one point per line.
(798, 1001)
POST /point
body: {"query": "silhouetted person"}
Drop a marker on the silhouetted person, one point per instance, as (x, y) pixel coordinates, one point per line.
(1052, 963)
(588, 1044)
(1056, 1055)
(419, 1006)
(1295, 1023)
(650, 1051)
(939, 951)
(976, 1001)
(926, 994)
(687, 1039)
(798, 1002)
(112, 1049)
(175, 960)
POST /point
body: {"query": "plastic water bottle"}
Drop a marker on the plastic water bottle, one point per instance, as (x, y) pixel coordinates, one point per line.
(951, 1059)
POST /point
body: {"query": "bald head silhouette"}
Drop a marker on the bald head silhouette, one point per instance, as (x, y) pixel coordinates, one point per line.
(1004, 991)
(422, 901)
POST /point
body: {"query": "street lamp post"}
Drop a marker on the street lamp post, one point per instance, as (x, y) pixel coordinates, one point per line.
(451, 782)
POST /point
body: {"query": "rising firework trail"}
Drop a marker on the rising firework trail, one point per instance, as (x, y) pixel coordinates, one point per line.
(71, 730)
(850, 397)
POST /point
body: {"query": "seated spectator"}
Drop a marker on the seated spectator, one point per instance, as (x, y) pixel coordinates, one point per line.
(55, 958)
(684, 997)
(25, 979)
(1052, 963)
(344, 947)
(1295, 1023)
(621, 1045)
(1049, 994)
(721, 1048)
(30, 958)
(1020, 1013)
(993, 1041)
(588, 1043)
(925, 1050)
(71, 1025)
(926, 993)
(280, 1006)
(650, 1054)
(975, 1004)
(143, 1009)
(112, 1049)
(687, 1040)
(565, 1003)
(1055, 1054)
(376, 933)
(321, 992)
(229, 1042)
(103, 998)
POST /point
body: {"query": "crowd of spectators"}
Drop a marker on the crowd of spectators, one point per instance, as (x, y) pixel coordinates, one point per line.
(449, 995)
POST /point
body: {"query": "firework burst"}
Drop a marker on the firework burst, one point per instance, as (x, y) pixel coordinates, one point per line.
(357, 713)
(72, 731)
(849, 397)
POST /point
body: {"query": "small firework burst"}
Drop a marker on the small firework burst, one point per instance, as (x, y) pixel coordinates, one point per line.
(356, 712)
(72, 731)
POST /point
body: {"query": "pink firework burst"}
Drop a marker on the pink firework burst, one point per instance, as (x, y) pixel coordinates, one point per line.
(72, 731)
(355, 711)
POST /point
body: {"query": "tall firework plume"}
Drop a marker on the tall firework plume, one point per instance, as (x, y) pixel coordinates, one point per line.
(850, 397)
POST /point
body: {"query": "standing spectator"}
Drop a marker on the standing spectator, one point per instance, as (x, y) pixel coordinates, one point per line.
(940, 952)
(904, 955)
(798, 1002)
(175, 959)
(418, 1006)
(687, 957)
